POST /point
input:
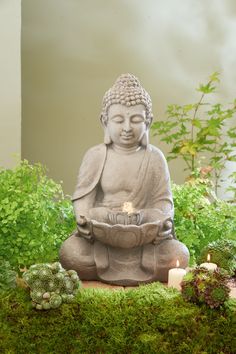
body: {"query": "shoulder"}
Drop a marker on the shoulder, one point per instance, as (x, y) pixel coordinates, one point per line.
(158, 161)
(96, 149)
(95, 152)
(156, 153)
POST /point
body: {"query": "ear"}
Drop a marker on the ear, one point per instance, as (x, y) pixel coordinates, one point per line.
(150, 121)
(107, 138)
(102, 120)
(145, 138)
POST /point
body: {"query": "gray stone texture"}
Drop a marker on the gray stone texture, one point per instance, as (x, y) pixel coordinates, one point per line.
(113, 245)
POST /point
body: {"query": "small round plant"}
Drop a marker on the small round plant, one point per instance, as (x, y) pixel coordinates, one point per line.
(203, 286)
(51, 285)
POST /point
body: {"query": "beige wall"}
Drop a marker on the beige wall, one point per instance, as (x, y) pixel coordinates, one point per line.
(73, 50)
(10, 87)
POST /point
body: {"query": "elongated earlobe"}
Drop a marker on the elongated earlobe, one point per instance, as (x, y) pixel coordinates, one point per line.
(107, 138)
(145, 139)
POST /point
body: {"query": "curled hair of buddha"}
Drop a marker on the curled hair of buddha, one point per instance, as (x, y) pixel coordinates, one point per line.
(127, 91)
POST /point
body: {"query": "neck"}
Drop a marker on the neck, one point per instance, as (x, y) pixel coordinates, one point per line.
(126, 150)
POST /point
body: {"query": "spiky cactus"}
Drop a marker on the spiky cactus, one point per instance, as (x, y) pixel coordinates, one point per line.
(203, 286)
(51, 285)
(223, 253)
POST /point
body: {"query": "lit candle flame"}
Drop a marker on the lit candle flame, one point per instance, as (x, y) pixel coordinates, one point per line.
(208, 257)
(128, 208)
(177, 263)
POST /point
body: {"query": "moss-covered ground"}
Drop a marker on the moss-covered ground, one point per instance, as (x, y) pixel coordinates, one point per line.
(149, 319)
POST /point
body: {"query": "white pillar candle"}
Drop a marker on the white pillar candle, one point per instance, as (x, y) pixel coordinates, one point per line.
(175, 276)
(232, 293)
(208, 265)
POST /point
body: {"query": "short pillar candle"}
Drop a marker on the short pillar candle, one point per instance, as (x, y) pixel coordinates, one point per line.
(208, 265)
(175, 276)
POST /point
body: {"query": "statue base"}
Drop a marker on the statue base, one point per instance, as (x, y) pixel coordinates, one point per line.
(122, 266)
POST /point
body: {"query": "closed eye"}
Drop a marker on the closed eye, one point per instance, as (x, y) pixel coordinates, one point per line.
(137, 119)
(118, 119)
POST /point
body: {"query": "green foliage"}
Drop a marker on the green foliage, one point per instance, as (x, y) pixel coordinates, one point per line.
(201, 218)
(7, 276)
(203, 286)
(149, 319)
(35, 217)
(51, 285)
(200, 128)
(222, 252)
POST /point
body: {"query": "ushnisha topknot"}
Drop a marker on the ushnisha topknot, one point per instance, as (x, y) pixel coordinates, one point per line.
(127, 91)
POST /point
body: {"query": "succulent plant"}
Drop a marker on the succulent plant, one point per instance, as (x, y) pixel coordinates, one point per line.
(51, 285)
(216, 294)
(203, 286)
(223, 253)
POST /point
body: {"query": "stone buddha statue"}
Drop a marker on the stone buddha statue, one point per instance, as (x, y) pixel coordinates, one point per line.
(123, 202)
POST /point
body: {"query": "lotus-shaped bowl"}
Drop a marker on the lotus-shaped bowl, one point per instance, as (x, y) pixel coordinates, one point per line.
(125, 236)
(124, 218)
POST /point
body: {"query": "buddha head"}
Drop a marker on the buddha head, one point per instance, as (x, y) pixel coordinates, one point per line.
(126, 113)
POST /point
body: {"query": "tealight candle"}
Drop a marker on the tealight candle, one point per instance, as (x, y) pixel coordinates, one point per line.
(175, 276)
(128, 208)
(208, 265)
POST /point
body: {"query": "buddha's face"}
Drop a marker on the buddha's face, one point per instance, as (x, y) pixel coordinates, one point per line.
(126, 125)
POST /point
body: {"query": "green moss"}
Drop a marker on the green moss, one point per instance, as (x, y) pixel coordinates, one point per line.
(149, 319)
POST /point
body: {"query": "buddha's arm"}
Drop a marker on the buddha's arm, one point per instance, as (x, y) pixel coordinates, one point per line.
(83, 205)
(159, 205)
(85, 211)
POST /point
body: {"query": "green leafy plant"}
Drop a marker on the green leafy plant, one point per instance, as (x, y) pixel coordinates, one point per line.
(203, 286)
(51, 285)
(7, 276)
(200, 217)
(222, 252)
(200, 128)
(35, 217)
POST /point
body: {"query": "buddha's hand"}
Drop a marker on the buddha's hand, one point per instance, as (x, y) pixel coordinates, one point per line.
(84, 227)
(166, 230)
(165, 233)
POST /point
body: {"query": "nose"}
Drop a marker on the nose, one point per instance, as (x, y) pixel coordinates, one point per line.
(127, 125)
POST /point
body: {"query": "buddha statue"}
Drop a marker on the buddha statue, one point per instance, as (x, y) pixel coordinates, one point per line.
(122, 202)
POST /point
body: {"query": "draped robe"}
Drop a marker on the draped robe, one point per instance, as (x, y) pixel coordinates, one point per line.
(151, 190)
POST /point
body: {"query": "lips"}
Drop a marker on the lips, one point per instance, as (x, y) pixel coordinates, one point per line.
(127, 136)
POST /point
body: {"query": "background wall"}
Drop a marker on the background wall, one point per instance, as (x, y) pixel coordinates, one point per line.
(10, 87)
(73, 50)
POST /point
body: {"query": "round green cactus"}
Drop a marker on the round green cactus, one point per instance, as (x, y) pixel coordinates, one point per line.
(44, 274)
(46, 305)
(51, 285)
(55, 301)
(37, 296)
(56, 267)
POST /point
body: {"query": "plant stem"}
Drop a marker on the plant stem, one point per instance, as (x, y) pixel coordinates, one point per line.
(192, 126)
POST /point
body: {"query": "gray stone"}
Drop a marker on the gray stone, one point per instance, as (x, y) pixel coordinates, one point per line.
(113, 244)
